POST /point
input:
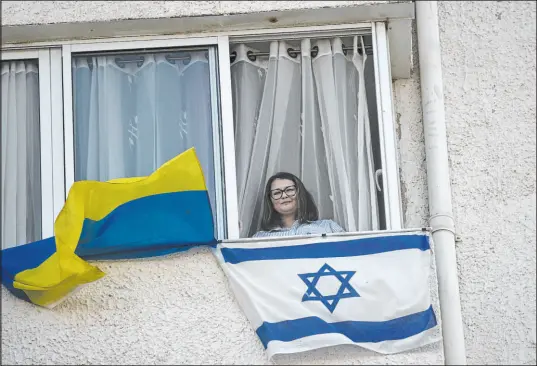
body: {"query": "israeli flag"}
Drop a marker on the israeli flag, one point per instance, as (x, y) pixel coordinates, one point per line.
(307, 293)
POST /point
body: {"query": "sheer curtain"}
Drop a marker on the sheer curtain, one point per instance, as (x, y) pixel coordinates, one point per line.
(21, 163)
(307, 116)
(132, 114)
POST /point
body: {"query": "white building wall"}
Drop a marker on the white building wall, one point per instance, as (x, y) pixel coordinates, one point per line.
(488, 58)
(179, 309)
(488, 52)
(52, 12)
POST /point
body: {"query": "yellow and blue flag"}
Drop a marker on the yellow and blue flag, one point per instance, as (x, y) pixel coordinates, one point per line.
(164, 213)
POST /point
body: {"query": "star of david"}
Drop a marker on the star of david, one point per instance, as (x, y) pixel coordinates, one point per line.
(330, 301)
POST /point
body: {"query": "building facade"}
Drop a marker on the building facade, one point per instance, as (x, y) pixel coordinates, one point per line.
(179, 309)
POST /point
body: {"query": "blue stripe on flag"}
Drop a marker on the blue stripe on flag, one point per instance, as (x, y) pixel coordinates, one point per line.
(356, 331)
(20, 258)
(154, 225)
(348, 248)
(27, 256)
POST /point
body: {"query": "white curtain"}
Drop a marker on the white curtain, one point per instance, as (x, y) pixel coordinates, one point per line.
(130, 118)
(307, 116)
(21, 164)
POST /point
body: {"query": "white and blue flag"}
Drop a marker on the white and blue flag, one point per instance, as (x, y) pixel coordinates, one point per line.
(303, 294)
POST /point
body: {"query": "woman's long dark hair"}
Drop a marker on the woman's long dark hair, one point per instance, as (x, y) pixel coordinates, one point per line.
(306, 208)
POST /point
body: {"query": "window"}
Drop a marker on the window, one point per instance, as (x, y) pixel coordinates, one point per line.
(306, 104)
(301, 107)
(134, 108)
(27, 193)
(121, 107)
(21, 169)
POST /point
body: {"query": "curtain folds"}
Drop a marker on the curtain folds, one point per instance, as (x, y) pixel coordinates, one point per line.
(20, 154)
(307, 116)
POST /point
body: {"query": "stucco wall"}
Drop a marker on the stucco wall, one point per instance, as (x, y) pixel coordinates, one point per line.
(192, 317)
(50, 12)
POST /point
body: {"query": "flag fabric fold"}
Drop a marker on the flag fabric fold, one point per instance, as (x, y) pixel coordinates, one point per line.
(166, 212)
(304, 294)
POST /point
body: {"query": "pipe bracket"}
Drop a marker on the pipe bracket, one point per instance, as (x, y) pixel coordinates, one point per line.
(442, 221)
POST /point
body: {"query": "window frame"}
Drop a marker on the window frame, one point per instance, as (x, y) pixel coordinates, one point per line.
(389, 149)
(384, 99)
(61, 138)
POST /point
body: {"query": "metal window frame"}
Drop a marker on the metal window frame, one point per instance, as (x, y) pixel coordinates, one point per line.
(217, 143)
(62, 134)
(50, 116)
(384, 99)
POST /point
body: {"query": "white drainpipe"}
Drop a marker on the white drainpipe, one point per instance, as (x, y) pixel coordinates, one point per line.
(440, 208)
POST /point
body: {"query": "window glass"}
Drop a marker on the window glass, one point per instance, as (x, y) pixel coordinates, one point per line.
(135, 111)
(20, 153)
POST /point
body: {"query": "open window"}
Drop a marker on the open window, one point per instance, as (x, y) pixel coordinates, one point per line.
(314, 101)
(318, 105)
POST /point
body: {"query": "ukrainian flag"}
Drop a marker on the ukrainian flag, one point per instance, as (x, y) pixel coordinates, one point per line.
(163, 213)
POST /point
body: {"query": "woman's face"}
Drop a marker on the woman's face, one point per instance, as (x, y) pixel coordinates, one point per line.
(283, 196)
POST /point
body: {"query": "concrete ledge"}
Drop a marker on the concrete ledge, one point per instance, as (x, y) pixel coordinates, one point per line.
(399, 14)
